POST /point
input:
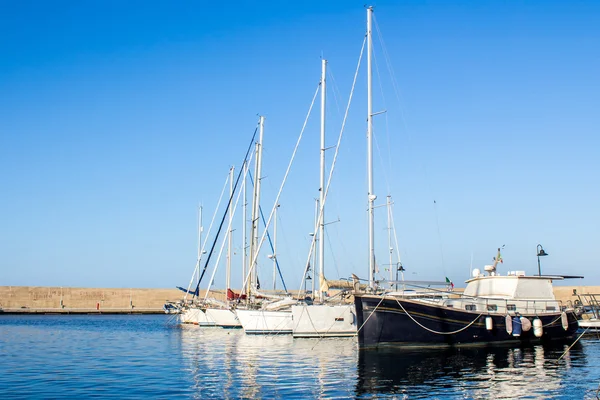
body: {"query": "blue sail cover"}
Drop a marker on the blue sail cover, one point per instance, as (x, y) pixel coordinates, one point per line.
(195, 293)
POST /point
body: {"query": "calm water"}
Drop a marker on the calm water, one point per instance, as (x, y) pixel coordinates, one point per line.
(148, 356)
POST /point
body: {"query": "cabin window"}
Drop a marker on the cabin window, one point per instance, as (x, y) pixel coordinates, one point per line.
(450, 305)
(550, 308)
(492, 307)
(339, 319)
(470, 307)
(511, 307)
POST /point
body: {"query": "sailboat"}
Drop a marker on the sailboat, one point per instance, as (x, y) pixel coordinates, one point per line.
(224, 313)
(259, 315)
(220, 311)
(189, 311)
(194, 310)
(327, 318)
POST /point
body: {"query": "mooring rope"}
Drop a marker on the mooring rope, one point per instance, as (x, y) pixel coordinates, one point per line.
(436, 332)
(327, 331)
(569, 348)
(372, 312)
(551, 323)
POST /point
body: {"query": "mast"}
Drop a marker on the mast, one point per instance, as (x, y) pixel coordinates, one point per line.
(199, 256)
(244, 221)
(256, 204)
(197, 269)
(253, 223)
(371, 195)
(274, 256)
(389, 221)
(315, 253)
(322, 183)
(228, 271)
(200, 230)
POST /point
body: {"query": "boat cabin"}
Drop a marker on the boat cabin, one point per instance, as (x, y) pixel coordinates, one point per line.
(514, 293)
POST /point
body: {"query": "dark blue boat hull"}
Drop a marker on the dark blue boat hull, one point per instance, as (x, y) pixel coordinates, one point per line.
(387, 322)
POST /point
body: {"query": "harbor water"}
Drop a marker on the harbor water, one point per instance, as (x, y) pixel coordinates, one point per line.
(150, 356)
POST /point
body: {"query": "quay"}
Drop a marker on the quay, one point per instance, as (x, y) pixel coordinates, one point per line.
(67, 300)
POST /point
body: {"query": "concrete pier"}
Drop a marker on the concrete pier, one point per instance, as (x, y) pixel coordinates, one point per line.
(66, 300)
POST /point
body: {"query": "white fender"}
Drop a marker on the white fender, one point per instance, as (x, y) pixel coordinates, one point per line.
(508, 323)
(565, 320)
(525, 324)
(538, 330)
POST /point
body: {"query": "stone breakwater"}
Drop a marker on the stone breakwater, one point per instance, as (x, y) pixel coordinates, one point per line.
(40, 299)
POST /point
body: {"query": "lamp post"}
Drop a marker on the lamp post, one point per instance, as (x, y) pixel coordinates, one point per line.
(399, 268)
(540, 253)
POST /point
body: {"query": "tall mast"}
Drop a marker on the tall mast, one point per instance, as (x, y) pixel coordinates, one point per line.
(322, 183)
(197, 269)
(315, 253)
(371, 195)
(200, 230)
(390, 248)
(228, 272)
(274, 256)
(244, 222)
(256, 202)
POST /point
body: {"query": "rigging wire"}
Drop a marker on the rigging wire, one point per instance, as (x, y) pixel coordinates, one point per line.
(395, 235)
(439, 235)
(203, 246)
(353, 266)
(385, 175)
(392, 74)
(210, 283)
(269, 238)
(337, 149)
(335, 88)
(335, 263)
(262, 239)
(396, 90)
(286, 242)
(226, 210)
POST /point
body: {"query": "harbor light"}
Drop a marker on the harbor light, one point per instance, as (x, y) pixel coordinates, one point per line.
(540, 253)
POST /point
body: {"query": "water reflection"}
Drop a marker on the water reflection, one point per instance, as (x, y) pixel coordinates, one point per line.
(496, 372)
(145, 357)
(231, 364)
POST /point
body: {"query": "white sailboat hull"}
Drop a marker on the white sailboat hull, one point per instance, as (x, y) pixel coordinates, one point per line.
(589, 324)
(189, 316)
(323, 320)
(195, 316)
(223, 317)
(264, 322)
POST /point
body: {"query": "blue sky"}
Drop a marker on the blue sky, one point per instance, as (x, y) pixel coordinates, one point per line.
(118, 118)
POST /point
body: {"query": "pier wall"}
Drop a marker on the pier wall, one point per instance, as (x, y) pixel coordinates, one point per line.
(565, 293)
(40, 299)
(65, 299)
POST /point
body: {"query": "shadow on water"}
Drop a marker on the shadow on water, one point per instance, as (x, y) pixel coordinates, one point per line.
(468, 372)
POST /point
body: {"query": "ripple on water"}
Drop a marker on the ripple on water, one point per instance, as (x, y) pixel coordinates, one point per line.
(133, 356)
